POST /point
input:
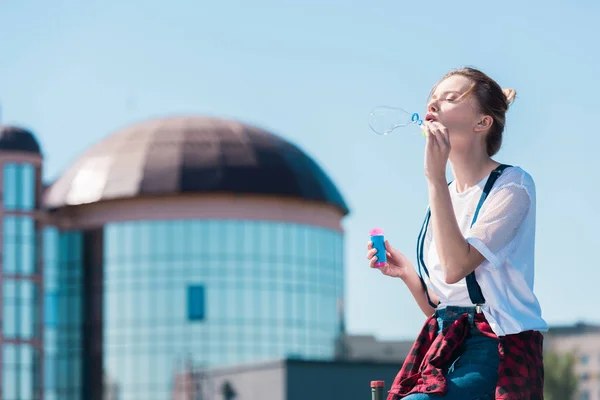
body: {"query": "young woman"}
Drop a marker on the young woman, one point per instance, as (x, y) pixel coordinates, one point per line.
(475, 256)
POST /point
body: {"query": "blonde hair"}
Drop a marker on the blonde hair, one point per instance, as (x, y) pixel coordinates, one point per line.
(492, 100)
(510, 96)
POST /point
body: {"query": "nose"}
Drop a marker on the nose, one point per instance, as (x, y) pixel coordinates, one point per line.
(432, 106)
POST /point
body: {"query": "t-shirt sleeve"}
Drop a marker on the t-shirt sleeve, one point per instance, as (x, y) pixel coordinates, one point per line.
(499, 221)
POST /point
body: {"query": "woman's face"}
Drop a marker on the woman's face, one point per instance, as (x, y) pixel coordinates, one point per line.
(452, 105)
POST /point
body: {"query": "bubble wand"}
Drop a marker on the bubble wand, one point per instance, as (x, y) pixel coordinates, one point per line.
(384, 119)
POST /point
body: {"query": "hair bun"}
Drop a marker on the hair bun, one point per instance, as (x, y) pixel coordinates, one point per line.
(510, 95)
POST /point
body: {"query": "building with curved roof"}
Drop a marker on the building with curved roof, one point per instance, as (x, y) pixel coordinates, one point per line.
(192, 155)
(175, 242)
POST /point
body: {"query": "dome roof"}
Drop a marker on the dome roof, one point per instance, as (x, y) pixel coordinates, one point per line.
(13, 138)
(192, 155)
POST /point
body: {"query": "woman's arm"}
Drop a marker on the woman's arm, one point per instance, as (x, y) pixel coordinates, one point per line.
(457, 257)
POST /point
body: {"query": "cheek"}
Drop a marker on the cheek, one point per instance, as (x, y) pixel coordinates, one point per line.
(455, 118)
(453, 122)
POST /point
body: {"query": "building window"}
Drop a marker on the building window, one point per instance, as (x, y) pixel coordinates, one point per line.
(18, 245)
(19, 187)
(19, 372)
(19, 309)
(51, 310)
(584, 377)
(195, 302)
(63, 340)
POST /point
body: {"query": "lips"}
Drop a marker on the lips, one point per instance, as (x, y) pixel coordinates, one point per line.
(430, 117)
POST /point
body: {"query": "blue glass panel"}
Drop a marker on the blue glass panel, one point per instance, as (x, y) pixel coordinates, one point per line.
(62, 313)
(18, 245)
(27, 312)
(10, 226)
(19, 186)
(51, 309)
(9, 372)
(26, 373)
(27, 186)
(20, 368)
(9, 309)
(10, 191)
(9, 257)
(27, 263)
(26, 242)
(9, 233)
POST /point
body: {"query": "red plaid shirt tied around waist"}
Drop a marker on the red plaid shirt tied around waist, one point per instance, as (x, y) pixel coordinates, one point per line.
(520, 374)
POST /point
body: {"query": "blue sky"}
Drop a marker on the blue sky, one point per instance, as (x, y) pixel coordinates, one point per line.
(311, 71)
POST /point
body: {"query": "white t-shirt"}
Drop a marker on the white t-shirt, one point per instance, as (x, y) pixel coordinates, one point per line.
(504, 234)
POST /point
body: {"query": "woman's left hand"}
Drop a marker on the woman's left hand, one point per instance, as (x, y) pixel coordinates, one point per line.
(437, 150)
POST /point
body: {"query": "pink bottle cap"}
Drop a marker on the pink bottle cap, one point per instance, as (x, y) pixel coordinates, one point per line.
(376, 231)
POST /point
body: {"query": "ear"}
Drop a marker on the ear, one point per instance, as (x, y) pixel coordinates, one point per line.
(484, 124)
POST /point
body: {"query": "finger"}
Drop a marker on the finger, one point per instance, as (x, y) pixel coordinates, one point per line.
(436, 128)
(431, 128)
(373, 261)
(447, 136)
(388, 248)
(441, 132)
(432, 136)
(369, 245)
(428, 135)
(371, 253)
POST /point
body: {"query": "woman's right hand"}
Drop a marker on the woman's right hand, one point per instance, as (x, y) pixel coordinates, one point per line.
(397, 264)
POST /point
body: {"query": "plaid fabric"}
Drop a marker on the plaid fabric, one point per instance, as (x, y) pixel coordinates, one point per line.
(520, 374)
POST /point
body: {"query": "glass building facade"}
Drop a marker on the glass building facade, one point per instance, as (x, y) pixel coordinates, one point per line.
(214, 293)
(63, 328)
(181, 293)
(21, 285)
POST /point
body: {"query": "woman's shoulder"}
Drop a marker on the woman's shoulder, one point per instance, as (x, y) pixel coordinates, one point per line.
(517, 175)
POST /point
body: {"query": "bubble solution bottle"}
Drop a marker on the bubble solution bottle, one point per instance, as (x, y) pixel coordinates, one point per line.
(379, 243)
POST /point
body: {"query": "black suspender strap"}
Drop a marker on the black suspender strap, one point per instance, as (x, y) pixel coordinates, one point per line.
(420, 259)
(473, 287)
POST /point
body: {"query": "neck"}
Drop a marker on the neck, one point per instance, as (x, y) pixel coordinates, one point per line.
(470, 166)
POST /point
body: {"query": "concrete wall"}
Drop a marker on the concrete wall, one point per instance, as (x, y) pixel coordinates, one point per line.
(253, 382)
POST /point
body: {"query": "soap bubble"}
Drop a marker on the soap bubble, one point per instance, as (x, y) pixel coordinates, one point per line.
(384, 119)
